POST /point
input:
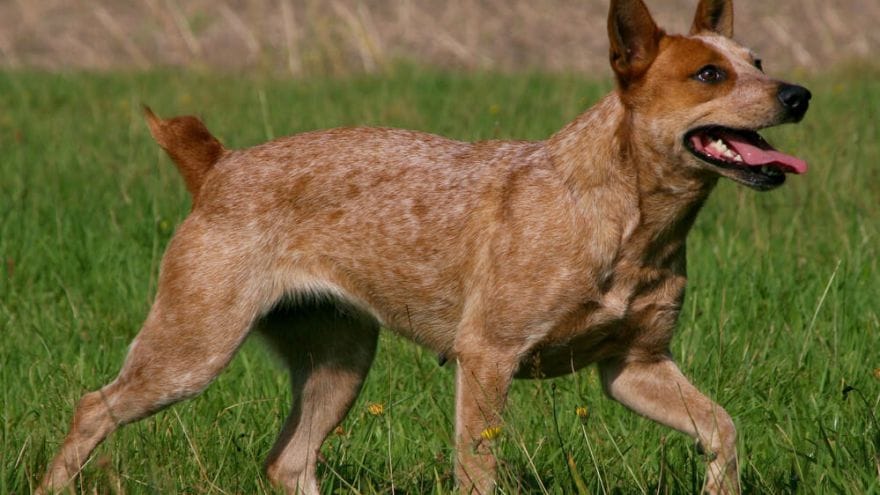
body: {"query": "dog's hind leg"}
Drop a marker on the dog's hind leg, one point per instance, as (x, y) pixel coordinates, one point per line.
(329, 351)
(207, 299)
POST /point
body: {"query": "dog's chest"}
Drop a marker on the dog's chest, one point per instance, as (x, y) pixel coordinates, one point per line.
(640, 306)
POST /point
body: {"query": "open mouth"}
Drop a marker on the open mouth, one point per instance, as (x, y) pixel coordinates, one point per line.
(743, 155)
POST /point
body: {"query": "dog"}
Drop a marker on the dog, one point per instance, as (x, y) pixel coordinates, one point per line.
(511, 259)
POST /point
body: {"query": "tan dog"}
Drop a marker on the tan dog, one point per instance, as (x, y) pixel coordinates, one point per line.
(502, 256)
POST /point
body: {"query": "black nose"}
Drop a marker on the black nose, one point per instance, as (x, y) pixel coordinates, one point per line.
(795, 100)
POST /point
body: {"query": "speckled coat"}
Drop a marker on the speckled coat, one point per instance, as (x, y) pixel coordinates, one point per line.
(509, 258)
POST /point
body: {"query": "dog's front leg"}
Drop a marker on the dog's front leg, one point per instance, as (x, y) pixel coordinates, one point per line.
(483, 377)
(659, 391)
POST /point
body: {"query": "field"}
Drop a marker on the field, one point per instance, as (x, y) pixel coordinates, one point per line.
(781, 326)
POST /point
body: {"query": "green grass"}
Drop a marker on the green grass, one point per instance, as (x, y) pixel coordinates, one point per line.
(780, 325)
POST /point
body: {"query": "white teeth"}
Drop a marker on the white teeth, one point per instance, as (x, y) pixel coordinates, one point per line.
(719, 146)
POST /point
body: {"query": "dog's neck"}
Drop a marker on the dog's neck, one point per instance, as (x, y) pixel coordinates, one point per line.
(612, 167)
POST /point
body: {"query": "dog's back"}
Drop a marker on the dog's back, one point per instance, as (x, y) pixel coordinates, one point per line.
(325, 207)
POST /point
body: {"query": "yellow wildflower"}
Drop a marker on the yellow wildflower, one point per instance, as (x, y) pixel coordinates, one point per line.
(491, 433)
(376, 409)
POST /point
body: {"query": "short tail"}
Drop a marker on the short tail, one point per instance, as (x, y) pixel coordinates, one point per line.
(189, 143)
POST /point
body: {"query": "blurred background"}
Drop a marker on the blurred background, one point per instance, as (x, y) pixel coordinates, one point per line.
(338, 37)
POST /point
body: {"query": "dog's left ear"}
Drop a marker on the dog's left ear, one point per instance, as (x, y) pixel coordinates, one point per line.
(634, 37)
(714, 16)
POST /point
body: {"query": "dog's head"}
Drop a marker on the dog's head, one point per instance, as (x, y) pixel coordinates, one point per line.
(702, 97)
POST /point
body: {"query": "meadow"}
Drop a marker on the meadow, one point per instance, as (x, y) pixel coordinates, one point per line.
(781, 322)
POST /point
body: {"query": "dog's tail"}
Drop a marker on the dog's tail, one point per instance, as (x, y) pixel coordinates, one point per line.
(189, 143)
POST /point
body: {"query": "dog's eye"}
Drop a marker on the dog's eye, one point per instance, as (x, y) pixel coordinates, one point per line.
(710, 74)
(759, 64)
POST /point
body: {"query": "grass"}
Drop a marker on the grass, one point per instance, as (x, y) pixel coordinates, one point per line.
(781, 321)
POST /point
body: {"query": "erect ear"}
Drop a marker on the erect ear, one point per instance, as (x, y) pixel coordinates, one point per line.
(634, 39)
(715, 16)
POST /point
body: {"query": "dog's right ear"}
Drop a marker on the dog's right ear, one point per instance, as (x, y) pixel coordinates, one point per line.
(634, 38)
(715, 16)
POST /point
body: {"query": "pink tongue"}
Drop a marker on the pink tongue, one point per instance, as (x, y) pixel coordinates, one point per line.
(753, 155)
